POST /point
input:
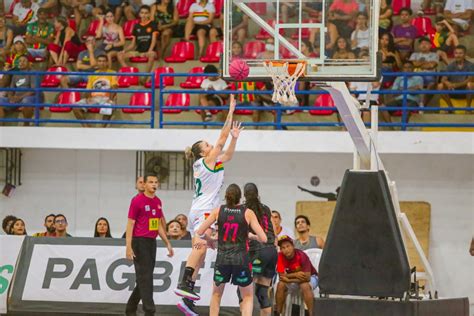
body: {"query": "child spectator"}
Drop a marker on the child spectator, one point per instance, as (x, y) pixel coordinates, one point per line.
(404, 33)
(211, 83)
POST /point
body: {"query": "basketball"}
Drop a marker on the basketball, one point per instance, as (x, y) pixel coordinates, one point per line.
(238, 69)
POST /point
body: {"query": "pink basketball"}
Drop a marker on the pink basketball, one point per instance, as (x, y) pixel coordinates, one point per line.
(238, 69)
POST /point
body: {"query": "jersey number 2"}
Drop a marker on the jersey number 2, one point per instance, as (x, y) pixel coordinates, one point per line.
(198, 192)
(228, 227)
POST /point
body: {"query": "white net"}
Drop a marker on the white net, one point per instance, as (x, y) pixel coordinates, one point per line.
(284, 83)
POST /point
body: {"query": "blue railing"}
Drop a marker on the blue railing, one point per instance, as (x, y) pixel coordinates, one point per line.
(279, 110)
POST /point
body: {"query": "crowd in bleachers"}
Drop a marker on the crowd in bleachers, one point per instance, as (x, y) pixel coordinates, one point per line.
(110, 36)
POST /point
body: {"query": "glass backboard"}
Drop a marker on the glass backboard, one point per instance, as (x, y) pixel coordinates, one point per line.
(337, 38)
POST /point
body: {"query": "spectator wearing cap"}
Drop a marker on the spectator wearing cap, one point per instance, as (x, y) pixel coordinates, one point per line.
(7, 222)
(278, 228)
(50, 228)
(18, 228)
(305, 240)
(60, 222)
(425, 60)
(24, 12)
(39, 35)
(460, 12)
(22, 81)
(296, 273)
(404, 33)
(212, 83)
(19, 49)
(463, 82)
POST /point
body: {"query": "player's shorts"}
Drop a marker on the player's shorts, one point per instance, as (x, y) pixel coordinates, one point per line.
(295, 287)
(264, 262)
(196, 218)
(238, 275)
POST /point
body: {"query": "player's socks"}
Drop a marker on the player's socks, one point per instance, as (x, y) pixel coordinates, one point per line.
(186, 286)
(187, 307)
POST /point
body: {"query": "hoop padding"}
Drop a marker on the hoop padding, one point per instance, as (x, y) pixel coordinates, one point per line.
(283, 82)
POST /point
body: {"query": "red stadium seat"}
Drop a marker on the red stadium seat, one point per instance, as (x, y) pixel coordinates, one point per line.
(66, 97)
(177, 99)
(81, 85)
(258, 7)
(423, 25)
(213, 53)
(193, 82)
(219, 5)
(183, 7)
(397, 5)
(180, 52)
(72, 24)
(138, 99)
(167, 81)
(253, 48)
(92, 29)
(139, 59)
(323, 100)
(263, 35)
(52, 81)
(127, 81)
(128, 28)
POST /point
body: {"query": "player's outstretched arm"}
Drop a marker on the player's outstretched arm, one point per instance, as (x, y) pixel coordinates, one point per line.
(235, 133)
(210, 160)
(255, 225)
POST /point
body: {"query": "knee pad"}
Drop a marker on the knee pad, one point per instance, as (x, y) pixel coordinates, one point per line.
(261, 291)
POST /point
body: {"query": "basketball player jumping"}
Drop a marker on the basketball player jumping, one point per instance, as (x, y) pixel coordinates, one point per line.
(233, 261)
(209, 177)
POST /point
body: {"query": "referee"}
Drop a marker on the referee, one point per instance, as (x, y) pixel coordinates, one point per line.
(145, 223)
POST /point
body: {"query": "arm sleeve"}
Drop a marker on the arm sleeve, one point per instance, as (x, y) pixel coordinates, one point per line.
(280, 264)
(305, 263)
(133, 210)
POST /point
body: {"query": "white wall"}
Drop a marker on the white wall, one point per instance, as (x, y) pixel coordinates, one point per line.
(86, 184)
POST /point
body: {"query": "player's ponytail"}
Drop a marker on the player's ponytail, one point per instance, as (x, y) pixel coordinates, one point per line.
(252, 201)
(233, 194)
(194, 152)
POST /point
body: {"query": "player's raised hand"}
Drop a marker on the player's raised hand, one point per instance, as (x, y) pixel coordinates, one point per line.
(236, 129)
(232, 103)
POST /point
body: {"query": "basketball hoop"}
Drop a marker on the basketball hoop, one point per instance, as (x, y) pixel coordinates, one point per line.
(285, 75)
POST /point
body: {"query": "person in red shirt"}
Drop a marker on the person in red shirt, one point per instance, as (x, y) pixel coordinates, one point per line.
(296, 273)
(145, 223)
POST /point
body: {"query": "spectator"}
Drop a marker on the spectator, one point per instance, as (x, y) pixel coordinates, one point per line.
(24, 12)
(7, 223)
(404, 33)
(19, 49)
(49, 225)
(144, 41)
(131, 8)
(39, 35)
(237, 50)
(199, 22)
(212, 83)
(330, 39)
(343, 49)
(460, 12)
(174, 230)
(305, 240)
(183, 220)
(460, 64)
(269, 52)
(22, 97)
(166, 16)
(425, 60)
(60, 222)
(385, 16)
(307, 49)
(360, 38)
(296, 274)
(86, 62)
(114, 39)
(342, 13)
(3, 34)
(99, 82)
(117, 8)
(391, 60)
(18, 228)
(240, 25)
(278, 228)
(444, 39)
(413, 83)
(140, 184)
(102, 228)
(66, 42)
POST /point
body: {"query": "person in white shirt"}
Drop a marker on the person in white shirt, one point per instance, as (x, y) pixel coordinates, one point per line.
(24, 12)
(360, 36)
(199, 22)
(278, 228)
(460, 12)
(211, 99)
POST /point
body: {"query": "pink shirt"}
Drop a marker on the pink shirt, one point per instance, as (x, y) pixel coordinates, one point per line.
(146, 212)
(346, 8)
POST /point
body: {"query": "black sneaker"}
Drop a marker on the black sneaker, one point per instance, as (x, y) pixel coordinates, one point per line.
(187, 307)
(186, 291)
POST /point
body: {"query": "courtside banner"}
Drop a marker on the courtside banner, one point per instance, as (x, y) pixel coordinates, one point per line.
(9, 249)
(92, 275)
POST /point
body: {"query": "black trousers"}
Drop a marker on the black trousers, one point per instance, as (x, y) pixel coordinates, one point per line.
(144, 262)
